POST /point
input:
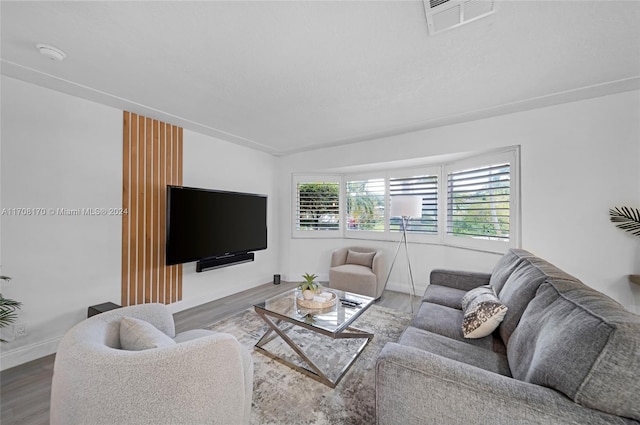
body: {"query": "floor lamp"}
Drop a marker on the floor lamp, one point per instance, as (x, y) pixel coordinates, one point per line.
(405, 206)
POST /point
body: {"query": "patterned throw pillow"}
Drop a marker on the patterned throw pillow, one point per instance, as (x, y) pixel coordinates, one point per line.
(483, 312)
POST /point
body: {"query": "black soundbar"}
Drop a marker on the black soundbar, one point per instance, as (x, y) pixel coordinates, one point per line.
(224, 261)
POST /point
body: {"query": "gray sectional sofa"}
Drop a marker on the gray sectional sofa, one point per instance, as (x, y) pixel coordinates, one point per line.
(563, 354)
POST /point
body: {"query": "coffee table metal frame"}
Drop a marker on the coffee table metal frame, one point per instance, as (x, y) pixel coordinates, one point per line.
(279, 324)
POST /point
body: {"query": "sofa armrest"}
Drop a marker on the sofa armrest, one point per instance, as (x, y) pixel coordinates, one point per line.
(379, 268)
(417, 387)
(459, 279)
(339, 257)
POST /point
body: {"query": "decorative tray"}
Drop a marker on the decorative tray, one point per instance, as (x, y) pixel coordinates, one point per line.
(317, 302)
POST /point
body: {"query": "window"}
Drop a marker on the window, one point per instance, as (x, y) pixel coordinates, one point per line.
(472, 202)
(365, 204)
(424, 186)
(478, 202)
(482, 201)
(317, 205)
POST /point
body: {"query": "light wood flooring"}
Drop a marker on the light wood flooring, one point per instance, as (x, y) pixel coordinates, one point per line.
(25, 390)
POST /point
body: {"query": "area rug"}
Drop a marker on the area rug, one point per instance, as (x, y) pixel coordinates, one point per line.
(281, 395)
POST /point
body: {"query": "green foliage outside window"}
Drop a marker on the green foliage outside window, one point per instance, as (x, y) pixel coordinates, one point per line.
(479, 202)
(488, 217)
(319, 206)
(365, 205)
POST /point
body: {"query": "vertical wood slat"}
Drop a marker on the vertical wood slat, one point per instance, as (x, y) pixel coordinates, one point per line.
(133, 257)
(163, 205)
(140, 224)
(148, 206)
(155, 206)
(179, 183)
(126, 182)
(169, 176)
(152, 159)
(174, 180)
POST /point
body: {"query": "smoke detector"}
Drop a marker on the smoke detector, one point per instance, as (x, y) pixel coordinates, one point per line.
(51, 52)
(446, 14)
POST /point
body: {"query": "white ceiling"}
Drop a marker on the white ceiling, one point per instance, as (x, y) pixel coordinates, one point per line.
(290, 76)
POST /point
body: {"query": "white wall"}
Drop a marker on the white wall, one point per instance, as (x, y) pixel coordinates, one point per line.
(577, 159)
(57, 152)
(215, 164)
(60, 151)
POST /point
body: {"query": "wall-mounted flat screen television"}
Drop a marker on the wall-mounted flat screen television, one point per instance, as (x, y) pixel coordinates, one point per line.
(204, 224)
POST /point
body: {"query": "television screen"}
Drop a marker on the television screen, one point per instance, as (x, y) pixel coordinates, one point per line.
(204, 223)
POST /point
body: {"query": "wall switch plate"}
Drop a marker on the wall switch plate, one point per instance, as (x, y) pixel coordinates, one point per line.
(21, 329)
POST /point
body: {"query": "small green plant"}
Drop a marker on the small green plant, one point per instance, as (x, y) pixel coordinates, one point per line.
(8, 308)
(309, 282)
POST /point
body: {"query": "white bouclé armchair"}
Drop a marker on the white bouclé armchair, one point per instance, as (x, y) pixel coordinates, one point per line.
(205, 377)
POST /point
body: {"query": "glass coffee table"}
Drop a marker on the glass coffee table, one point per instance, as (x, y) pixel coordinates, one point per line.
(317, 342)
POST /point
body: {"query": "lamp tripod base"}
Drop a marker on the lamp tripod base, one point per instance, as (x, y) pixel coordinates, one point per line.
(403, 241)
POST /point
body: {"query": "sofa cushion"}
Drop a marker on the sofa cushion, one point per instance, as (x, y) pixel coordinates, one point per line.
(521, 287)
(505, 266)
(353, 278)
(447, 321)
(456, 350)
(483, 312)
(444, 295)
(360, 258)
(137, 335)
(458, 279)
(353, 272)
(581, 343)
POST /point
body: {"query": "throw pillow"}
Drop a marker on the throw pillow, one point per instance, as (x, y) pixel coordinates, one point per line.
(137, 335)
(483, 312)
(360, 258)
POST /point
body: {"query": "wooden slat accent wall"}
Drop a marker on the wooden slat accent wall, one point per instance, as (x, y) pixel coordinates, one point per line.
(152, 159)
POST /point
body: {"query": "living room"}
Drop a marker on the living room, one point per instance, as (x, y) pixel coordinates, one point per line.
(579, 148)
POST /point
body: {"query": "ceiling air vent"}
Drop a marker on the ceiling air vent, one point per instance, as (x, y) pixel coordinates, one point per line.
(446, 14)
(436, 3)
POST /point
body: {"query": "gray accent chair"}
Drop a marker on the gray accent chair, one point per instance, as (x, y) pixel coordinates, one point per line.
(359, 270)
(205, 378)
(563, 354)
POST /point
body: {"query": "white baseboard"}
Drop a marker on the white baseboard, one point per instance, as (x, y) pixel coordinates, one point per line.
(28, 353)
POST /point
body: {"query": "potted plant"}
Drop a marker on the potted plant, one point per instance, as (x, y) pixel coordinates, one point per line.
(309, 286)
(8, 308)
(628, 219)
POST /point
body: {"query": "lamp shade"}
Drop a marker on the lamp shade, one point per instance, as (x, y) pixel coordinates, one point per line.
(406, 206)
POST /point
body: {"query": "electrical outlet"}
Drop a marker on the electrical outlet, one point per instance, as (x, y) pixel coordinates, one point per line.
(20, 329)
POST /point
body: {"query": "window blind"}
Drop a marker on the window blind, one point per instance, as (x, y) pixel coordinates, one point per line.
(427, 188)
(318, 206)
(479, 202)
(365, 204)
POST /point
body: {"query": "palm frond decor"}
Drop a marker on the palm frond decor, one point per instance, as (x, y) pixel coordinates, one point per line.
(626, 218)
(8, 308)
